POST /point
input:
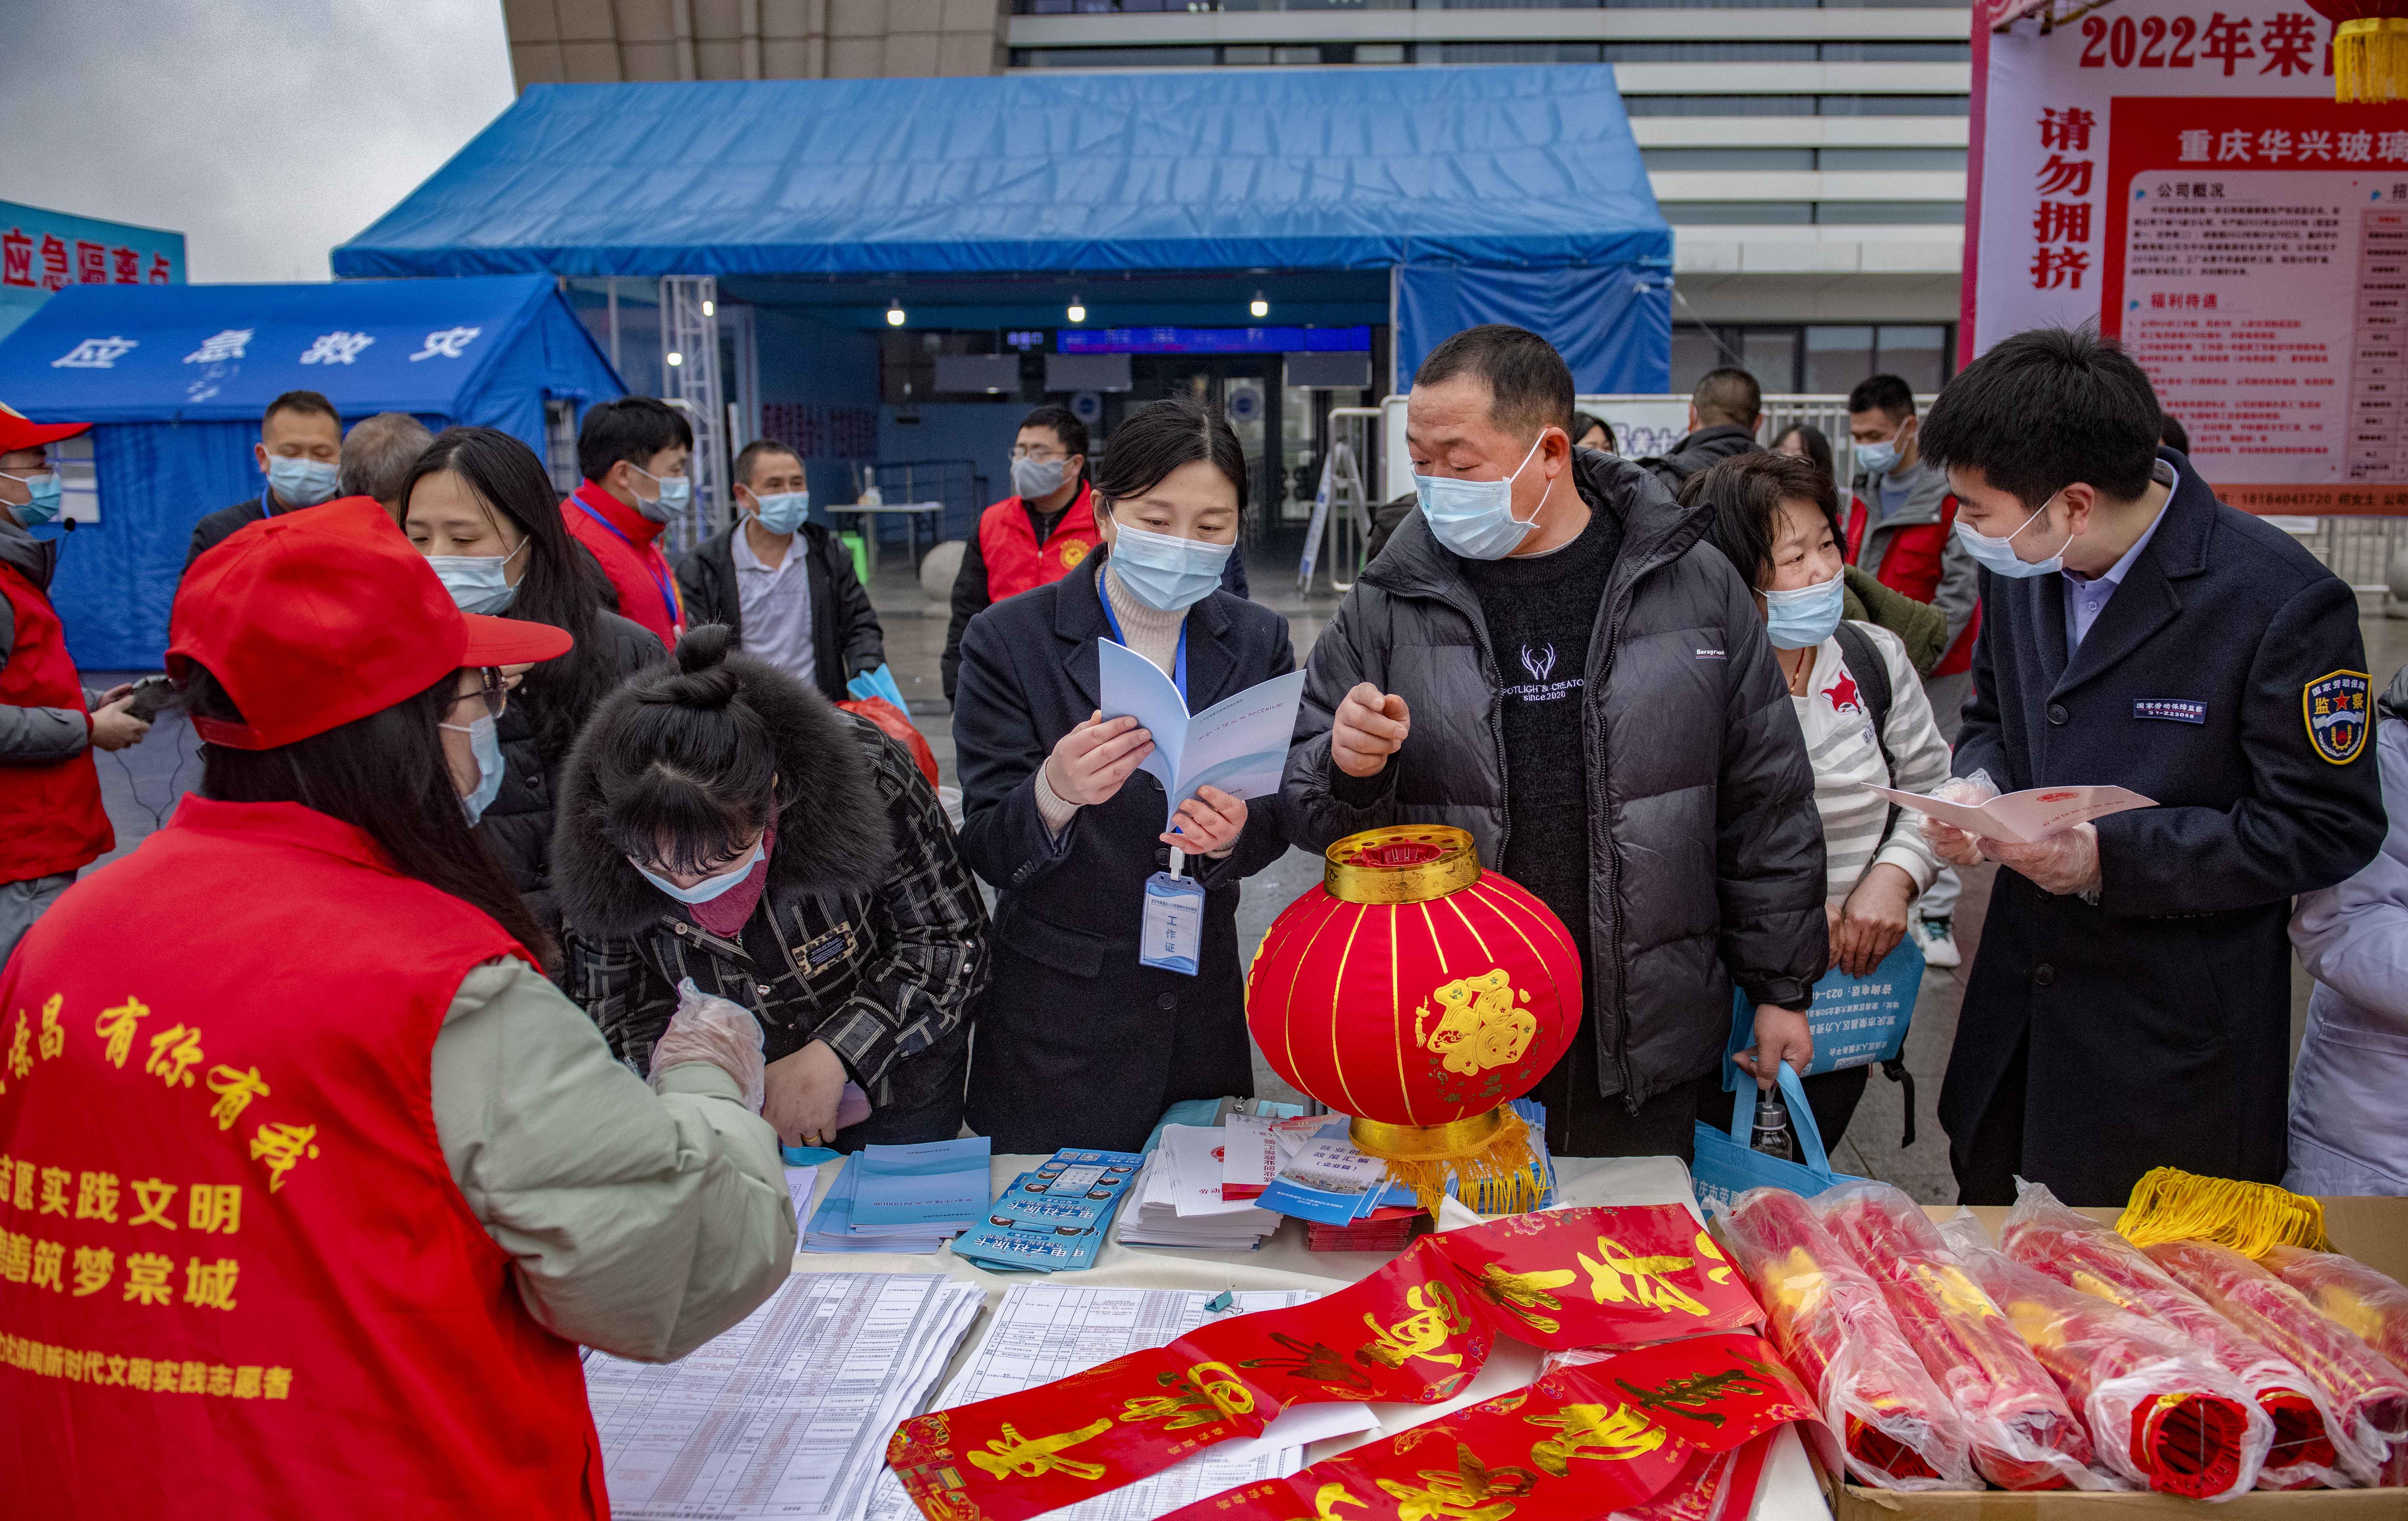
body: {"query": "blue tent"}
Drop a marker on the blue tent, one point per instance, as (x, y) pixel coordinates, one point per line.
(1492, 194)
(176, 376)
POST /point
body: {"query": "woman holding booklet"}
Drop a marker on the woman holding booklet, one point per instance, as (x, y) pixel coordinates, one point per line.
(1118, 990)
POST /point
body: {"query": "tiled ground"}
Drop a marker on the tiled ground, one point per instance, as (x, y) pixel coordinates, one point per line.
(141, 786)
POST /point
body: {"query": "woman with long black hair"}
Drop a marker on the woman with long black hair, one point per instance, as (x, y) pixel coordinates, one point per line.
(479, 506)
(1080, 1045)
(391, 1177)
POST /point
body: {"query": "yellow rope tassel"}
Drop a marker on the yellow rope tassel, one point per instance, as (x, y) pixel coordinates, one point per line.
(2252, 1218)
(2371, 61)
(1495, 1174)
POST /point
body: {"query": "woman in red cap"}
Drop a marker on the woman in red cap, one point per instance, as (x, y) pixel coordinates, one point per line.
(314, 1182)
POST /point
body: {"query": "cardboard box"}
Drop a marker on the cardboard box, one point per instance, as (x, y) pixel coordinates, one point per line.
(2372, 1230)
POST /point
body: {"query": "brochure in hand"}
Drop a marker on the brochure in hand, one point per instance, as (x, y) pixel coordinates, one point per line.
(1240, 744)
(2023, 818)
(1053, 1219)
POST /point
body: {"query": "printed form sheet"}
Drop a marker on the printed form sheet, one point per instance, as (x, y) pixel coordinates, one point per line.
(1045, 1331)
(786, 1414)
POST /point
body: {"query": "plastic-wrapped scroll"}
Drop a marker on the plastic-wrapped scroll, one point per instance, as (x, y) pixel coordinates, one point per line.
(2369, 1305)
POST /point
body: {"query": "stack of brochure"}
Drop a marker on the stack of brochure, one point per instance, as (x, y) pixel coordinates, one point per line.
(902, 1199)
(1323, 1178)
(1054, 1219)
(1178, 1199)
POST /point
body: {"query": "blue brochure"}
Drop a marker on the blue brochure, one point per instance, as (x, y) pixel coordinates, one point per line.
(937, 1182)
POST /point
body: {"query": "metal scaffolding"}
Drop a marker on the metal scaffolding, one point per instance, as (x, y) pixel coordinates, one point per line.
(690, 382)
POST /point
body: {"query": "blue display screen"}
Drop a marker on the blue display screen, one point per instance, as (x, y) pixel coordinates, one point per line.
(1211, 340)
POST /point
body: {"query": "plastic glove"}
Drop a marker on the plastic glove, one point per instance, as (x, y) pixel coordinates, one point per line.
(707, 1028)
(1954, 845)
(2065, 863)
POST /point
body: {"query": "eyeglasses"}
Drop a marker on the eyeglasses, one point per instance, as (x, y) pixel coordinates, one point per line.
(491, 690)
(1037, 452)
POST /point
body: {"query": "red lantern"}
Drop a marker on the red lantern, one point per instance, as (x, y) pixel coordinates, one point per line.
(1419, 994)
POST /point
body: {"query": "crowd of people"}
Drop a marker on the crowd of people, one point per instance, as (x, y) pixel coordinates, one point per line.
(502, 812)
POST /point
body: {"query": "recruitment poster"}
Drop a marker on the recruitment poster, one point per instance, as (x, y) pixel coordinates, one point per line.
(2179, 174)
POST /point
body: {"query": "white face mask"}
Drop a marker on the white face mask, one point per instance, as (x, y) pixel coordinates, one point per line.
(478, 582)
(677, 492)
(1165, 571)
(1475, 517)
(708, 887)
(1998, 555)
(485, 743)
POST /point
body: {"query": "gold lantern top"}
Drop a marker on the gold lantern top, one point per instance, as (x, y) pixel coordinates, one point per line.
(1403, 863)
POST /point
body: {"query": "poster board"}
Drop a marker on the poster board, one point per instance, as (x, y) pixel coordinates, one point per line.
(2177, 172)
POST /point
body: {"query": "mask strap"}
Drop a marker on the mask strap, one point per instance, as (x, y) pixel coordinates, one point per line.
(1517, 475)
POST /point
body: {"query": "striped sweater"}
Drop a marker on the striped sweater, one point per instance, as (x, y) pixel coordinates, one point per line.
(1838, 724)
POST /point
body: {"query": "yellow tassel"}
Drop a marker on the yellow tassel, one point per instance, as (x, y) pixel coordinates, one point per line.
(2251, 1218)
(2371, 61)
(1494, 1170)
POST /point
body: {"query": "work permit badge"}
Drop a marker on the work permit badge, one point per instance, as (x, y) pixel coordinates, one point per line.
(1173, 928)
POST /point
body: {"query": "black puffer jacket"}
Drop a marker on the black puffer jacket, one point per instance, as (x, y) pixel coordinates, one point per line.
(1698, 450)
(517, 824)
(1706, 853)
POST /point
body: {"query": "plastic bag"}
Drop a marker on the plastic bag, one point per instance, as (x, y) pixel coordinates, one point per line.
(898, 727)
(2024, 1434)
(1896, 1430)
(2370, 1396)
(708, 1028)
(2088, 1254)
(2350, 1294)
(2162, 1414)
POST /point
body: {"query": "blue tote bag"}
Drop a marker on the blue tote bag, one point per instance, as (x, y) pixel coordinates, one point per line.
(1727, 1166)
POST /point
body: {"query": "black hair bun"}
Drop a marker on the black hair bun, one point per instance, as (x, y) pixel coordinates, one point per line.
(703, 678)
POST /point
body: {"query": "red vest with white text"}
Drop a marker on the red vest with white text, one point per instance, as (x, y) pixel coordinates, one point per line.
(1015, 562)
(235, 1276)
(50, 816)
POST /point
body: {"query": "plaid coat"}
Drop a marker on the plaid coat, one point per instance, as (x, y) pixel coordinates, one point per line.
(870, 934)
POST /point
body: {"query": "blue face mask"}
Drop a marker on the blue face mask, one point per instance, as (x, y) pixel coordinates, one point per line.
(677, 494)
(782, 511)
(1475, 517)
(1998, 555)
(478, 582)
(44, 508)
(1804, 618)
(708, 887)
(300, 482)
(485, 743)
(1877, 459)
(1164, 572)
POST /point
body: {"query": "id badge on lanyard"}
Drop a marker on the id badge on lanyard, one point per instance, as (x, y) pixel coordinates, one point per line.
(1172, 932)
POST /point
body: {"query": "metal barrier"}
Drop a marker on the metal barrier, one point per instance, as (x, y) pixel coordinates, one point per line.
(2357, 549)
(955, 482)
(1342, 505)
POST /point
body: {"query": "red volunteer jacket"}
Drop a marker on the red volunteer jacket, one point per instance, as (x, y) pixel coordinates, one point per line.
(1015, 562)
(50, 816)
(1911, 565)
(235, 1276)
(622, 540)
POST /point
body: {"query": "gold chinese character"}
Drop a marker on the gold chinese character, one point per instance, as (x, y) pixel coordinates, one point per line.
(116, 1371)
(47, 1257)
(234, 1091)
(246, 1381)
(20, 1047)
(54, 1039)
(7, 1178)
(1619, 1278)
(153, 1197)
(173, 1052)
(1957, 1294)
(54, 1189)
(1481, 1027)
(24, 1196)
(16, 1256)
(1435, 1317)
(92, 1266)
(118, 1025)
(216, 1207)
(221, 1380)
(96, 1197)
(1327, 1500)
(1205, 1394)
(1459, 1496)
(146, 1278)
(279, 1382)
(1012, 1455)
(1525, 1294)
(282, 1146)
(1616, 1432)
(196, 1377)
(1719, 1269)
(210, 1285)
(137, 1373)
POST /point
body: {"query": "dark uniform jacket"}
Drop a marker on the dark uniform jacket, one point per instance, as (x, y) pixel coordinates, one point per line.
(1079, 1045)
(846, 638)
(1696, 452)
(220, 525)
(1705, 850)
(2160, 1019)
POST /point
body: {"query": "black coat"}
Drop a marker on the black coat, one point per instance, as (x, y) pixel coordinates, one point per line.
(1079, 1045)
(2160, 1020)
(1696, 452)
(517, 824)
(220, 525)
(1705, 850)
(846, 638)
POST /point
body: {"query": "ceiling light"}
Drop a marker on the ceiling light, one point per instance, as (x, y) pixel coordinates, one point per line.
(893, 313)
(710, 309)
(1260, 307)
(676, 358)
(1078, 309)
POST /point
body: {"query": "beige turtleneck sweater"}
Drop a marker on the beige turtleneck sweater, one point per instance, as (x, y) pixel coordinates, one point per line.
(1151, 634)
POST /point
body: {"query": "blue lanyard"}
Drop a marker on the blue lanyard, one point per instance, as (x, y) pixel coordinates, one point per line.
(1177, 660)
(660, 583)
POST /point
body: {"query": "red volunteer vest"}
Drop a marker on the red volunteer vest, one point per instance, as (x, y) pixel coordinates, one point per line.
(1015, 562)
(627, 543)
(235, 1276)
(1911, 565)
(50, 816)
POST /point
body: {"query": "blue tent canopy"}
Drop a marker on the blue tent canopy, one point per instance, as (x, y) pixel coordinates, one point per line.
(1431, 172)
(177, 376)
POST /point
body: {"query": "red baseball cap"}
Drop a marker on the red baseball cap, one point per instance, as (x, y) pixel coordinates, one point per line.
(17, 432)
(313, 619)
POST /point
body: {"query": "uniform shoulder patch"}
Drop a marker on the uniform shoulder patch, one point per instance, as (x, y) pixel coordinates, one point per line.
(2338, 707)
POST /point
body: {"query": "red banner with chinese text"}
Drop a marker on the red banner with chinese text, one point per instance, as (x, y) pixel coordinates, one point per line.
(1415, 1332)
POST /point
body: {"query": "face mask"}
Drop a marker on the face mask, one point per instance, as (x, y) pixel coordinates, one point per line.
(1804, 618)
(300, 482)
(44, 508)
(1998, 555)
(485, 743)
(676, 493)
(1164, 572)
(1475, 517)
(476, 582)
(708, 887)
(1034, 478)
(1877, 459)
(782, 511)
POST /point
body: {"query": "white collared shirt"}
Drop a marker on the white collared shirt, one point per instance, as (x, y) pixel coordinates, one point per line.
(776, 607)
